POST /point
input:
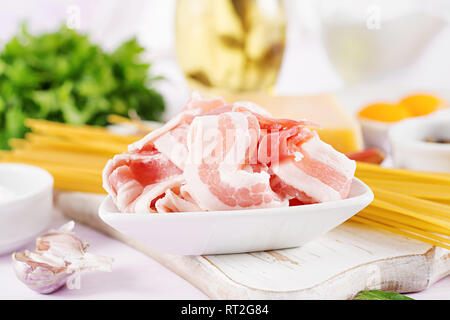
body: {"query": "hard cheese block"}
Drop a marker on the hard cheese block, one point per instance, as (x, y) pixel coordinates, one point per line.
(337, 127)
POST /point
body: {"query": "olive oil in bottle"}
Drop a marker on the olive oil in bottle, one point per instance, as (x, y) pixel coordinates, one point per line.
(234, 45)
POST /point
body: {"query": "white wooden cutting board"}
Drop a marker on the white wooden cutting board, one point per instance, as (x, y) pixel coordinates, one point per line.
(338, 265)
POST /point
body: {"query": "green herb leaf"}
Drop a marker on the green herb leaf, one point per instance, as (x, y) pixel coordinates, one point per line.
(62, 76)
(380, 295)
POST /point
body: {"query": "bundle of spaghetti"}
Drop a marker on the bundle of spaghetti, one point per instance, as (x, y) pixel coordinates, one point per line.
(411, 203)
(57, 129)
(417, 189)
(369, 170)
(138, 124)
(74, 155)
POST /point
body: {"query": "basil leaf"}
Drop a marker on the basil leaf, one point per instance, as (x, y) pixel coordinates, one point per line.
(380, 295)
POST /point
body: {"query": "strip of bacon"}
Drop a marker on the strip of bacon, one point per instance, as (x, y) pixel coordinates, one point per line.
(317, 171)
(217, 175)
(268, 123)
(173, 201)
(127, 177)
(170, 139)
(197, 102)
(217, 156)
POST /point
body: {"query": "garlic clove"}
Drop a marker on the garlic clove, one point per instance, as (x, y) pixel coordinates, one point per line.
(38, 276)
(59, 258)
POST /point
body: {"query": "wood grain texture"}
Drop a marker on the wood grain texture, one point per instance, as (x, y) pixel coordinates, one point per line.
(346, 260)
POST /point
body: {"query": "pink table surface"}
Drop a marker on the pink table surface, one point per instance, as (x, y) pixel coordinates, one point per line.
(134, 276)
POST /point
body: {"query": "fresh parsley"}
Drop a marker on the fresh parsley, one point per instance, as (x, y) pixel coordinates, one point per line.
(62, 76)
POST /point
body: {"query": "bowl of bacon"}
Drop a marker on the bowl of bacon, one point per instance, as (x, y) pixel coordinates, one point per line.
(225, 178)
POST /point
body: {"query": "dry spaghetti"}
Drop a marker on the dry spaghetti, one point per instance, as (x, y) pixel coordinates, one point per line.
(410, 203)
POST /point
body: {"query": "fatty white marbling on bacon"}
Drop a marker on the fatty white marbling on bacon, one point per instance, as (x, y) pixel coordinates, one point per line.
(315, 173)
(218, 170)
(218, 156)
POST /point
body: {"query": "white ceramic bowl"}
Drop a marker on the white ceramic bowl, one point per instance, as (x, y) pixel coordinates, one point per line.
(25, 204)
(220, 232)
(411, 151)
(375, 134)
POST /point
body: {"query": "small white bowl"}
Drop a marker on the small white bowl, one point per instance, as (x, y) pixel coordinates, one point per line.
(411, 151)
(221, 232)
(25, 204)
(375, 134)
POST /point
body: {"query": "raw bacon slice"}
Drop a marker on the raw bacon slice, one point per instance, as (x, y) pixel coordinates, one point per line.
(252, 107)
(147, 143)
(170, 139)
(217, 172)
(131, 178)
(218, 156)
(286, 191)
(173, 144)
(314, 173)
(276, 145)
(197, 102)
(265, 120)
(173, 201)
(146, 202)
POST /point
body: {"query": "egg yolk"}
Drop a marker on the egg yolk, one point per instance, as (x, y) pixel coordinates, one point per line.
(421, 104)
(385, 112)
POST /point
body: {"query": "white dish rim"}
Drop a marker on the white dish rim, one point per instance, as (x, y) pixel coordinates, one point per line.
(381, 125)
(47, 183)
(366, 194)
(395, 133)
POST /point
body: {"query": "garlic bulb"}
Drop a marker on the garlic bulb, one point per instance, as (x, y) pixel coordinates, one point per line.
(59, 258)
